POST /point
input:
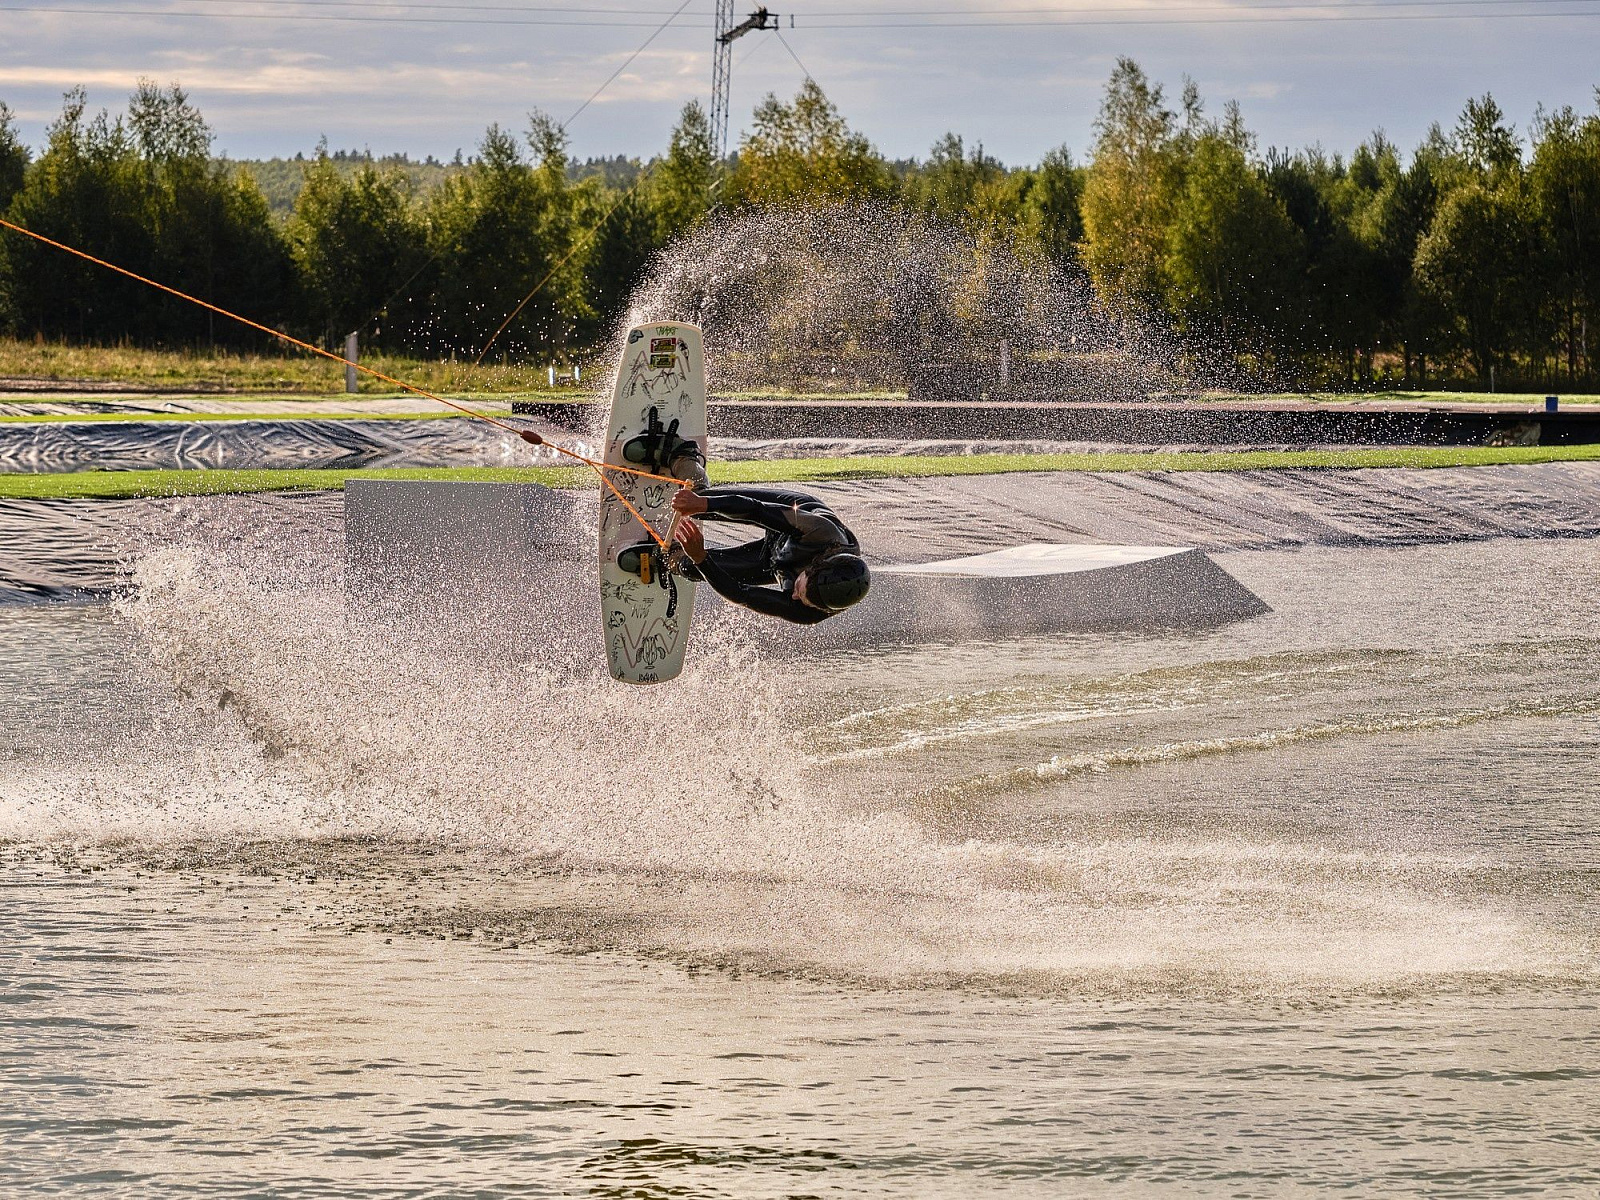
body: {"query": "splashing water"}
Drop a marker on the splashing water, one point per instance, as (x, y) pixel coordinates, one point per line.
(860, 296)
(762, 816)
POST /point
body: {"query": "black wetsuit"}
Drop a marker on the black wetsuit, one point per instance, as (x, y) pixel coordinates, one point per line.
(800, 530)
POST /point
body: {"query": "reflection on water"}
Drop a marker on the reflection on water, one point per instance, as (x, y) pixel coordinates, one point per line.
(1311, 897)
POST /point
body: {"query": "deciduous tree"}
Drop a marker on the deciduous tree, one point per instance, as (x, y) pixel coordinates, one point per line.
(500, 232)
(804, 152)
(1233, 260)
(1564, 179)
(681, 190)
(356, 241)
(1477, 261)
(1128, 199)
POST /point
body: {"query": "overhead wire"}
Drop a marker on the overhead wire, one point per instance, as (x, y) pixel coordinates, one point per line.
(582, 242)
(1309, 13)
(397, 8)
(393, 5)
(1072, 10)
(1281, 14)
(264, 16)
(576, 246)
(628, 62)
(1288, 18)
(794, 56)
(751, 52)
(409, 279)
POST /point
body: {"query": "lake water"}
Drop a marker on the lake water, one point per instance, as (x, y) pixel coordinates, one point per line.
(1301, 905)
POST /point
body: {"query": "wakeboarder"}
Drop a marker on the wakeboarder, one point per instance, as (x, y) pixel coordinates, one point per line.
(805, 567)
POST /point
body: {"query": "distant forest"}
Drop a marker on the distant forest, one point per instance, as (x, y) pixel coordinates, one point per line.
(281, 179)
(1473, 258)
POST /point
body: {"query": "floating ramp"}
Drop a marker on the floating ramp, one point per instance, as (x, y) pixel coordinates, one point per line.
(527, 551)
(1044, 588)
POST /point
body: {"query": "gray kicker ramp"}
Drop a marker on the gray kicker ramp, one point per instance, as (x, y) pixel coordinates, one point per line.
(521, 557)
(510, 552)
(1037, 588)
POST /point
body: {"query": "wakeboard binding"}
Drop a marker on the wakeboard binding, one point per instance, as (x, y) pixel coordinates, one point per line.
(652, 565)
(659, 448)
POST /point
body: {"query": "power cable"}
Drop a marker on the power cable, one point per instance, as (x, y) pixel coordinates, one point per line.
(1331, 18)
(755, 48)
(626, 64)
(393, 5)
(606, 216)
(794, 56)
(1284, 14)
(397, 8)
(576, 246)
(434, 257)
(431, 259)
(1072, 10)
(261, 16)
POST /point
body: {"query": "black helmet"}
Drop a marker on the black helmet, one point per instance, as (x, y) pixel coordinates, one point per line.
(837, 581)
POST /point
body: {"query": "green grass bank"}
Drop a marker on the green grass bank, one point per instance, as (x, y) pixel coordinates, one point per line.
(220, 371)
(98, 418)
(296, 375)
(119, 485)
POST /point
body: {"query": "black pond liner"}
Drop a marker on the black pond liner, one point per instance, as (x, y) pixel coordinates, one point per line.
(67, 549)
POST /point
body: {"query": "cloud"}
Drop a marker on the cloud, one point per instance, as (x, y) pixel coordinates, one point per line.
(299, 75)
(274, 86)
(1264, 90)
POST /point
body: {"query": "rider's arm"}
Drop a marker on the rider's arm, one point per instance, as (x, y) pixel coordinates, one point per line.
(776, 516)
(767, 601)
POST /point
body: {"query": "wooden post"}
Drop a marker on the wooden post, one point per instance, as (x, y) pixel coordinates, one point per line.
(351, 351)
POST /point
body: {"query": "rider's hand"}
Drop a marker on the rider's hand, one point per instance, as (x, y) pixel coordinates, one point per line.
(688, 502)
(691, 539)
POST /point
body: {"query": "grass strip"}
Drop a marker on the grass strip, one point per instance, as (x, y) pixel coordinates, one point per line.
(121, 485)
(1534, 400)
(130, 485)
(141, 417)
(918, 466)
(223, 371)
(499, 401)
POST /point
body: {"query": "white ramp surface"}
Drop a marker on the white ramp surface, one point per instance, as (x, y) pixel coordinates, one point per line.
(1038, 587)
(1036, 558)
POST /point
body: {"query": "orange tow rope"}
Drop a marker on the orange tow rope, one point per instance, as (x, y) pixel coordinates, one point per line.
(527, 435)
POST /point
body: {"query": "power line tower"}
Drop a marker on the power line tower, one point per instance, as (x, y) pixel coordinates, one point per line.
(722, 66)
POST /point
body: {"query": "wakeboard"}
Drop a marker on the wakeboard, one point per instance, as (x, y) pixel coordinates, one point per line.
(645, 608)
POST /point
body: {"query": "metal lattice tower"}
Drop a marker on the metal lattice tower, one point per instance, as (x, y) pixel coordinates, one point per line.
(721, 61)
(722, 66)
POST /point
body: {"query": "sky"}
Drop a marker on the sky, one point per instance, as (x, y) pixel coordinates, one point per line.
(1018, 77)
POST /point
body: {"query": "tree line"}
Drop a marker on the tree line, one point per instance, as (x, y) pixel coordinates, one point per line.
(1475, 257)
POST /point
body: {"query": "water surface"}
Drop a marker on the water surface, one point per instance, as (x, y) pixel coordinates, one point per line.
(298, 907)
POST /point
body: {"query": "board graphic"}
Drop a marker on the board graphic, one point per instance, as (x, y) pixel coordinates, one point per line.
(645, 612)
